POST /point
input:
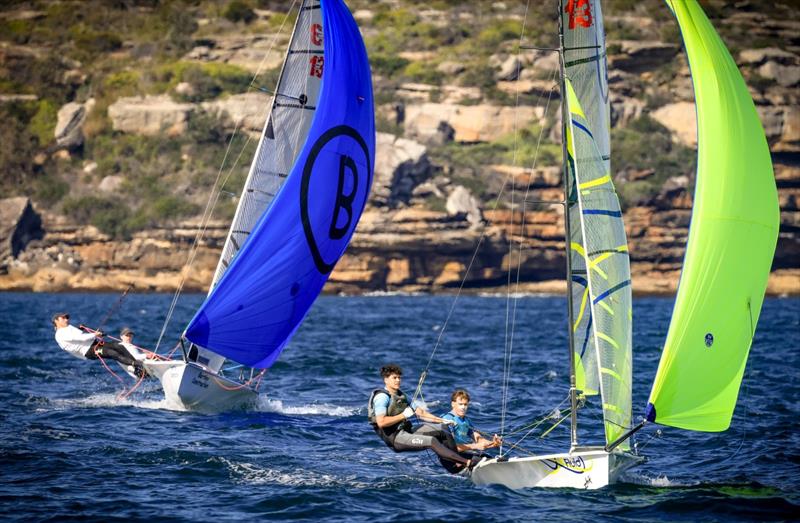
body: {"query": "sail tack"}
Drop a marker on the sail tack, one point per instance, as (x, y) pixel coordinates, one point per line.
(277, 274)
(731, 243)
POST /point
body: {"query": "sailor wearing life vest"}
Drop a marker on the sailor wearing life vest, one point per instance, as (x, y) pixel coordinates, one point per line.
(389, 412)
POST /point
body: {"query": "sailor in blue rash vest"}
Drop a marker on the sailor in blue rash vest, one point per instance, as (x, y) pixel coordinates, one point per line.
(389, 411)
(466, 437)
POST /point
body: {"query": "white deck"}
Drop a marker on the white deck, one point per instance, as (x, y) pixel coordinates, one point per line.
(587, 468)
(189, 386)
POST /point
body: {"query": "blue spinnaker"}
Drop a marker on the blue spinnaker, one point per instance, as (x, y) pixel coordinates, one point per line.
(280, 270)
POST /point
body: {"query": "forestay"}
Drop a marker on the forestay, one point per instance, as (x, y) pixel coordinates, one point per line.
(288, 120)
(600, 280)
(277, 274)
(734, 230)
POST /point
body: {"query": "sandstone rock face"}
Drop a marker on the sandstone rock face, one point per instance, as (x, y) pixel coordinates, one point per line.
(539, 88)
(256, 53)
(247, 110)
(759, 56)
(149, 115)
(784, 75)
(111, 184)
(447, 94)
(782, 127)
(509, 69)
(400, 165)
(460, 202)
(69, 127)
(639, 56)
(624, 110)
(681, 119)
(471, 123)
(19, 224)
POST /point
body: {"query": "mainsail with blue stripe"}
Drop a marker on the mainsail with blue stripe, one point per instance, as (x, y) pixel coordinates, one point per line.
(272, 280)
(600, 280)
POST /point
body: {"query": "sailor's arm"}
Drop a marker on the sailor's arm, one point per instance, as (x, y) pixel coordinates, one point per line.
(388, 421)
(481, 443)
(427, 416)
(74, 335)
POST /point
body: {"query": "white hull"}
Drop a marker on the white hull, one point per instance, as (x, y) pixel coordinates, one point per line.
(190, 386)
(583, 468)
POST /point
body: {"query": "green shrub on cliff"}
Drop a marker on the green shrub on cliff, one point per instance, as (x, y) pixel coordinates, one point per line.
(238, 11)
(647, 145)
(110, 216)
(208, 80)
(43, 123)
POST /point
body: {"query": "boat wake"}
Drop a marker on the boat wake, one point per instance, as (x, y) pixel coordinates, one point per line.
(103, 400)
(265, 404)
(250, 474)
(637, 478)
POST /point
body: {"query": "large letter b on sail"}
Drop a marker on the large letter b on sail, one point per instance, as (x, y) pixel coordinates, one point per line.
(344, 201)
(338, 161)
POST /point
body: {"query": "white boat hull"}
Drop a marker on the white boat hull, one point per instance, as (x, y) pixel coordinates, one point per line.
(588, 468)
(189, 386)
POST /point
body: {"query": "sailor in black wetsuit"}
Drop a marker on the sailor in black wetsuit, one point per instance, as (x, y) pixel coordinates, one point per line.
(389, 411)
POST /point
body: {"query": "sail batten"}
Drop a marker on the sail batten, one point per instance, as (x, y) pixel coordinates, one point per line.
(272, 281)
(732, 239)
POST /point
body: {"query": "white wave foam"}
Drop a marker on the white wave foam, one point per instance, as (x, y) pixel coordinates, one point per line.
(637, 478)
(394, 293)
(103, 400)
(266, 404)
(516, 295)
(296, 477)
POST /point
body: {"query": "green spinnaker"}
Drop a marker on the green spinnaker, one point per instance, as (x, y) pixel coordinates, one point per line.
(731, 244)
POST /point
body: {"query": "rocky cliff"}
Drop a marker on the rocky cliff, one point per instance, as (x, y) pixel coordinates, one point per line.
(454, 154)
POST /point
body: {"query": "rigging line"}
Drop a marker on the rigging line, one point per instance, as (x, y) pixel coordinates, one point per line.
(203, 226)
(744, 425)
(272, 44)
(507, 367)
(113, 309)
(541, 418)
(196, 242)
(494, 207)
(508, 341)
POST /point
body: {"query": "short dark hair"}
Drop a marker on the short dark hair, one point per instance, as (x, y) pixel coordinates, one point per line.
(460, 393)
(59, 315)
(389, 369)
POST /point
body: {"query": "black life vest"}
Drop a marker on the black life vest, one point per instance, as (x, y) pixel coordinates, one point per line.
(397, 404)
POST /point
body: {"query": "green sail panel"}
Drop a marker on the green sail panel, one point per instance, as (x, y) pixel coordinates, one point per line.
(734, 230)
(605, 257)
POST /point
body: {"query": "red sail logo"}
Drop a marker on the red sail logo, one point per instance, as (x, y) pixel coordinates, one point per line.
(316, 34)
(580, 13)
(316, 64)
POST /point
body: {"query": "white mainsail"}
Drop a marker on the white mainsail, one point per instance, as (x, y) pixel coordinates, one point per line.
(287, 125)
(600, 279)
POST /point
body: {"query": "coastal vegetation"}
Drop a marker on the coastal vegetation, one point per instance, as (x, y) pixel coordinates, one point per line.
(61, 52)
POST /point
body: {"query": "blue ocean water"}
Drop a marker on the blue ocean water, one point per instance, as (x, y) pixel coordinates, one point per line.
(69, 449)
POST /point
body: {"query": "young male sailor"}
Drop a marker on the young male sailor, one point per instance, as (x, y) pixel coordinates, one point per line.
(466, 437)
(126, 340)
(90, 345)
(389, 411)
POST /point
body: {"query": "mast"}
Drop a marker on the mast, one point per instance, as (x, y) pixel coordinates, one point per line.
(567, 233)
(287, 122)
(230, 247)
